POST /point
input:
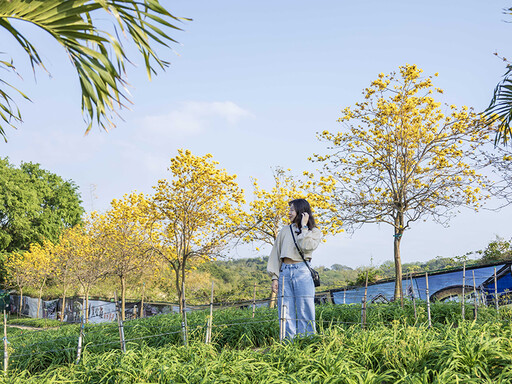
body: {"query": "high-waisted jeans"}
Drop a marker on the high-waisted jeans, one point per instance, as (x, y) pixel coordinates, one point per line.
(299, 299)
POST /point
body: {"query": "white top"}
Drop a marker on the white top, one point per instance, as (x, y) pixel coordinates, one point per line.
(285, 247)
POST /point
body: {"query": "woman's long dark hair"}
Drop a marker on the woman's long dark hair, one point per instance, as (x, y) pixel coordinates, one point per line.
(301, 206)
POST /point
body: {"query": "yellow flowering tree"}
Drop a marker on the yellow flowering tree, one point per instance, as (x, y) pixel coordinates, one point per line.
(32, 269)
(40, 263)
(401, 157)
(268, 211)
(90, 262)
(126, 237)
(16, 275)
(197, 212)
(67, 256)
(501, 160)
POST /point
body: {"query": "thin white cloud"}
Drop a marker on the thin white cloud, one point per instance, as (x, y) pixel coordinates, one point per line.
(194, 117)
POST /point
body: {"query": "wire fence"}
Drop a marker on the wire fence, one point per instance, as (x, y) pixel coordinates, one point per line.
(70, 341)
(103, 337)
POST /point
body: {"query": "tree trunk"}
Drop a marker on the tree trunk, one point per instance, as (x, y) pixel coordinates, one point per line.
(398, 261)
(64, 292)
(39, 302)
(39, 298)
(142, 301)
(182, 290)
(86, 309)
(123, 294)
(20, 306)
(178, 289)
(38, 307)
(63, 309)
(273, 299)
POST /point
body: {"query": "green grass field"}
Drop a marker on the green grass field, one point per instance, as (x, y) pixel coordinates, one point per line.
(394, 348)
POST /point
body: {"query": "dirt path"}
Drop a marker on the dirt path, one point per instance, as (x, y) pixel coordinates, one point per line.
(29, 327)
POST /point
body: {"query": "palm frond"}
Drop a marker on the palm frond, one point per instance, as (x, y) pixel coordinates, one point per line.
(97, 54)
(9, 111)
(499, 112)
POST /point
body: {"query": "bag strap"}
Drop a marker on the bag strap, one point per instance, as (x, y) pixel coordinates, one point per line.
(298, 249)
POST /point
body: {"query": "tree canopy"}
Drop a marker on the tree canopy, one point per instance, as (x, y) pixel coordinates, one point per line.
(196, 213)
(126, 236)
(268, 211)
(401, 157)
(35, 204)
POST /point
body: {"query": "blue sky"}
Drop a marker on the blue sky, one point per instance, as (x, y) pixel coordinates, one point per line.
(251, 83)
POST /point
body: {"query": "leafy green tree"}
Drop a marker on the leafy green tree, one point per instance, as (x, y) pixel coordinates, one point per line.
(373, 275)
(96, 53)
(339, 267)
(498, 249)
(35, 204)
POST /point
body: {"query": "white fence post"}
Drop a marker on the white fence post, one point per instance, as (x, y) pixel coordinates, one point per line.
(283, 314)
(428, 302)
(120, 324)
(254, 301)
(184, 314)
(81, 336)
(496, 291)
(6, 353)
(463, 309)
(210, 320)
(474, 294)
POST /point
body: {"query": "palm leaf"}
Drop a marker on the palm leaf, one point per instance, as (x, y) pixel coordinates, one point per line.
(499, 112)
(97, 54)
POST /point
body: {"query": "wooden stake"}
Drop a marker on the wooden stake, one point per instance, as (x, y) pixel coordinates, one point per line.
(142, 300)
(363, 306)
(254, 301)
(463, 309)
(210, 321)
(284, 311)
(273, 299)
(413, 298)
(120, 324)
(184, 315)
(6, 353)
(496, 291)
(282, 319)
(81, 336)
(401, 292)
(428, 302)
(474, 294)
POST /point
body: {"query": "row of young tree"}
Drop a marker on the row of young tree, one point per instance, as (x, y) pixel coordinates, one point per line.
(401, 156)
(190, 219)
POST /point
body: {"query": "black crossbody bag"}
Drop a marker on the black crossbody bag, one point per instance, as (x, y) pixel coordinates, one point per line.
(314, 274)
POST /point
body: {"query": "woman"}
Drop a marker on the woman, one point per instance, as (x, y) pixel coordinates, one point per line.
(289, 271)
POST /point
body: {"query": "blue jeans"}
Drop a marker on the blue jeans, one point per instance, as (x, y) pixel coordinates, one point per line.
(298, 298)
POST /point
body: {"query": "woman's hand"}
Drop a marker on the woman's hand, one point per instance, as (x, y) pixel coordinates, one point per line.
(304, 220)
(274, 286)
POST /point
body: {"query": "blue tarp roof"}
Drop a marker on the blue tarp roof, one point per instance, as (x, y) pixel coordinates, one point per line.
(436, 282)
(503, 281)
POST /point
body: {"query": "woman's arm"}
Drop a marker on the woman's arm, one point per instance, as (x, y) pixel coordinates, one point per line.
(274, 260)
(308, 240)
